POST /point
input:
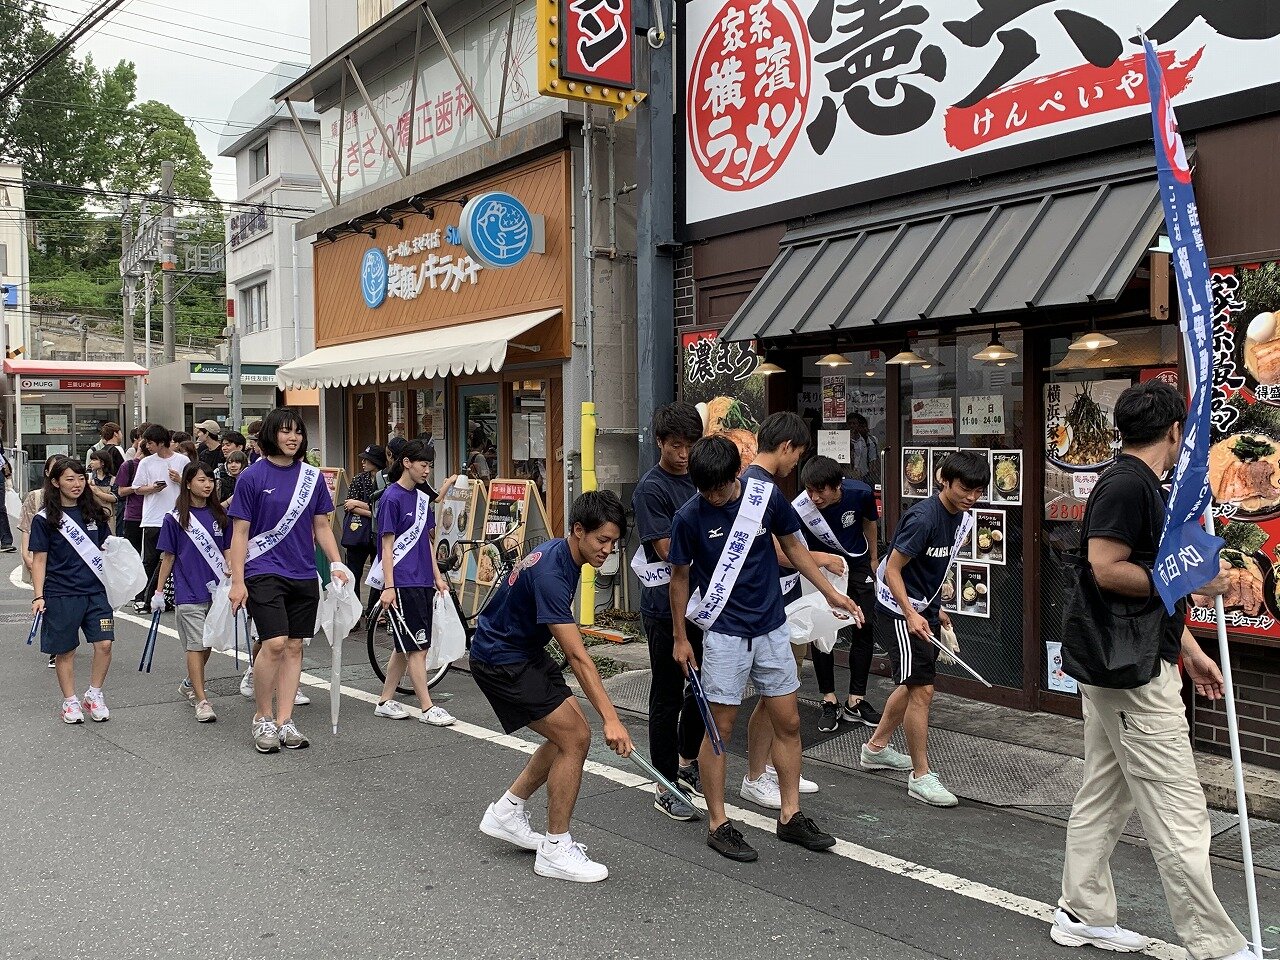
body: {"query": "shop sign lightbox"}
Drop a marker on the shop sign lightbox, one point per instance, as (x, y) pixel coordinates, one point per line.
(586, 52)
(802, 106)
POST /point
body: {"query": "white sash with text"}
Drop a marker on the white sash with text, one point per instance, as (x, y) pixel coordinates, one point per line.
(885, 596)
(755, 500)
(308, 477)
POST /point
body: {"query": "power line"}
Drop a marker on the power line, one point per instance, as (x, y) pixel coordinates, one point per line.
(132, 111)
(212, 33)
(62, 44)
(234, 23)
(133, 194)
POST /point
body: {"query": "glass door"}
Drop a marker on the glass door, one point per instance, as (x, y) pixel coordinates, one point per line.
(479, 430)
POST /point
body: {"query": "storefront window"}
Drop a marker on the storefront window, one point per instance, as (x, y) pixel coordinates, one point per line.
(845, 408)
(396, 413)
(1078, 441)
(529, 432)
(957, 403)
(478, 419)
(364, 422)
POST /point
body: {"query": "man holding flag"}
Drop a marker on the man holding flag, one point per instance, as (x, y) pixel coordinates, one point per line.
(1137, 745)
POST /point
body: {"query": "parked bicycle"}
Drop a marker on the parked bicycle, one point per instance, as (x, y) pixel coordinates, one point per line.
(501, 553)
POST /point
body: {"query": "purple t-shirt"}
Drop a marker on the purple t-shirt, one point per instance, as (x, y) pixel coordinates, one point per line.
(191, 569)
(133, 502)
(396, 511)
(264, 494)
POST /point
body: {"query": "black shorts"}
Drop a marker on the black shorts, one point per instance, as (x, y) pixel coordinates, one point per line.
(411, 629)
(65, 618)
(914, 661)
(522, 693)
(281, 607)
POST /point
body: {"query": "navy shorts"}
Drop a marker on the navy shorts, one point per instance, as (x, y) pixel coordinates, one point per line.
(412, 628)
(281, 607)
(65, 618)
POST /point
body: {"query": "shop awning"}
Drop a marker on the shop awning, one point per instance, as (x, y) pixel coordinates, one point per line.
(465, 348)
(72, 368)
(1072, 237)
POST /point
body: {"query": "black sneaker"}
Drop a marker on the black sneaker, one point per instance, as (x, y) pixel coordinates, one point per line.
(805, 833)
(53, 661)
(830, 719)
(728, 842)
(689, 780)
(8, 548)
(863, 713)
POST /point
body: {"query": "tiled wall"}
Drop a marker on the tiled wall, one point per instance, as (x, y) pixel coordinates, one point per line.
(1256, 673)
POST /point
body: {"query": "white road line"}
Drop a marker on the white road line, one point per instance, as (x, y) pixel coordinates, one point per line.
(938, 879)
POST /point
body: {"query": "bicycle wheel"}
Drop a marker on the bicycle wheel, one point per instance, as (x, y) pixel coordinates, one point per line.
(381, 644)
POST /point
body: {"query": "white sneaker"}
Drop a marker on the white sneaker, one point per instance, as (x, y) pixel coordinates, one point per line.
(514, 829)
(806, 786)
(391, 710)
(1071, 933)
(96, 705)
(763, 792)
(567, 860)
(71, 712)
(300, 699)
(437, 717)
(246, 684)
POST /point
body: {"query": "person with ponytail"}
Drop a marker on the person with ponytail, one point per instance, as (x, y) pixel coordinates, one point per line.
(66, 546)
(407, 573)
(193, 545)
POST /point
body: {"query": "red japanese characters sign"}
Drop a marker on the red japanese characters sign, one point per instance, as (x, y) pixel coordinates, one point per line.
(834, 102)
(748, 92)
(596, 42)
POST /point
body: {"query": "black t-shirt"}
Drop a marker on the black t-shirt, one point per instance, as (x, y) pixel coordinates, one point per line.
(212, 458)
(657, 497)
(1127, 505)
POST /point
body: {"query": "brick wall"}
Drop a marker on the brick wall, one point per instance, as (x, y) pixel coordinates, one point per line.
(684, 288)
(1256, 672)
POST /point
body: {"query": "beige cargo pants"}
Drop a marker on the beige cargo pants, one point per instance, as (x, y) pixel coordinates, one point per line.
(1137, 754)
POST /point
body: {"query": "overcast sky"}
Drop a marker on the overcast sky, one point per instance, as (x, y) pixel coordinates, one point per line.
(196, 56)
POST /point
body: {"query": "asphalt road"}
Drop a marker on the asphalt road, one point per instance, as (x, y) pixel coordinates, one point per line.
(150, 836)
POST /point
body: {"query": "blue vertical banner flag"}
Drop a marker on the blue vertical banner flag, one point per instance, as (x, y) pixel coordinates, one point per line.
(1188, 555)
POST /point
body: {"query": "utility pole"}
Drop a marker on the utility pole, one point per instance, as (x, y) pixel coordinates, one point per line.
(129, 283)
(655, 234)
(235, 392)
(168, 258)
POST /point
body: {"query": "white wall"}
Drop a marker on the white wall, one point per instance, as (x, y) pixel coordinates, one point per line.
(13, 236)
(333, 23)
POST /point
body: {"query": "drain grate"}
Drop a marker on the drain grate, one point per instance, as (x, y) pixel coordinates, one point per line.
(1220, 821)
(1265, 837)
(988, 771)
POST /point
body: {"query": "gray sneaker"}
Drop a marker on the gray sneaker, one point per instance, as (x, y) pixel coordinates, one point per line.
(886, 759)
(187, 690)
(266, 736)
(204, 712)
(929, 789)
(673, 806)
(291, 737)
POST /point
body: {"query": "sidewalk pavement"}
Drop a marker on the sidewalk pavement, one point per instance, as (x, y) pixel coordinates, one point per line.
(1030, 762)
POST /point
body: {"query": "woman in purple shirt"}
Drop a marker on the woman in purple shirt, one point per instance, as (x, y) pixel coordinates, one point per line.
(280, 515)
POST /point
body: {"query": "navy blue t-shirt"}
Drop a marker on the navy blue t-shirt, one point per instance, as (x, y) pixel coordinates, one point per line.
(698, 535)
(657, 498)
(926, 533)
(857, 503)
(538, 593)
(65, 574)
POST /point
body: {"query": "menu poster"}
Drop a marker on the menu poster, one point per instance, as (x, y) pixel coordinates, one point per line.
(514, 517)
(937, 456)
(834, 444)
(1059, 682)
(991, 528)
(1080, 441)
(835, 407)
(967, 551)
(916, 482)
(982, 454)
(31, 418)
(1006, 477)
(1244, 452)
(982, 415)
(975, 590)
(456, 516)
(949, 593)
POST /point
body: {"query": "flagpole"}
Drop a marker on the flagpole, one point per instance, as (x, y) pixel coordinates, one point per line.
(1237, 764)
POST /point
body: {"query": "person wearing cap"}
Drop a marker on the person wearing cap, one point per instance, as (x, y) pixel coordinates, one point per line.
(358, 537)
(209, 444)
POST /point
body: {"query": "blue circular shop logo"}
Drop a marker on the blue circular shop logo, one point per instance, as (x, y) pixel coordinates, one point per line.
(496, 229)
(373, 277)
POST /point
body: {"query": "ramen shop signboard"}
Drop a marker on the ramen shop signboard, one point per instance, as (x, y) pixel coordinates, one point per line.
(1244, 459)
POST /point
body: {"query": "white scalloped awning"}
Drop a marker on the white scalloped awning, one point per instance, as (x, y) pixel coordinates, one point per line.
(465, 348)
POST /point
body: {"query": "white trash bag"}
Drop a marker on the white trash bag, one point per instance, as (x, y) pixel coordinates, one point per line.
(341, 610)
(125, 576)
(13, 507)
(219, 625)
(448, 638)
(810, 620)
